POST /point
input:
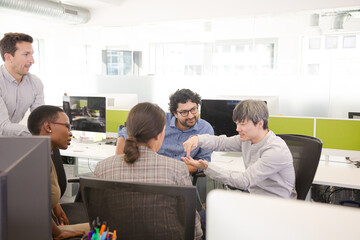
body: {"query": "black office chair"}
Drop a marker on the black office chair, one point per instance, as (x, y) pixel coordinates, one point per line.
(75, 211)
(196, 175)
(306, 152)
(141, 210)
(200, 204)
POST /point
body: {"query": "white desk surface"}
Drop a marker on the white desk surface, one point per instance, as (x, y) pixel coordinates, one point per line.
(337, 174)
(330, 172)
(89, 150)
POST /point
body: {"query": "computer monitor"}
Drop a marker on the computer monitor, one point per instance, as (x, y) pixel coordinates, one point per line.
(218, 112)
(355, 115)
(25, 195)
(86, 113)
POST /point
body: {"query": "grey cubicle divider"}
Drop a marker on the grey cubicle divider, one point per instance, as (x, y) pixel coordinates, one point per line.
(25, 204)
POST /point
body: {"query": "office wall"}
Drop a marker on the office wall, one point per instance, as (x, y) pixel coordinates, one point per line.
(324, 95)
(142, 11)
(62, 65)
(67, 47)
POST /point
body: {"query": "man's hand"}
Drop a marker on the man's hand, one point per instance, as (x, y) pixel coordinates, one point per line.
(60, 215)
(192, 169)
(190, 144)
(120, 146)
(196, 163)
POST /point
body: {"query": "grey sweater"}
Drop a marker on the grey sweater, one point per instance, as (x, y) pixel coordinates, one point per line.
(269, 165)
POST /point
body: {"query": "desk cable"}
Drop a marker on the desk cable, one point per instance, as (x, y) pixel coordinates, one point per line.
(90, 166)
(355, 162)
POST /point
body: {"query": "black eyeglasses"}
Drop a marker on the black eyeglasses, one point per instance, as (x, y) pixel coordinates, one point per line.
(185, 113)
(67, 125)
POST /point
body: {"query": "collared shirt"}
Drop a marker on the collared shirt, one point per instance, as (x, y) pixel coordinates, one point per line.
(268, 163)
(172, 145)
(16, 99)
(175, 137)
(149, 167)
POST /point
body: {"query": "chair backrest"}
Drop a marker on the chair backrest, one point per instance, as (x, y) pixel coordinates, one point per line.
(60, 171)
(306, 152)
(141, 210)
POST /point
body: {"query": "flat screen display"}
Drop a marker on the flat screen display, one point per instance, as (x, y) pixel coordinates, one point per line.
(355, 115)
(86, 113)
(219, 114)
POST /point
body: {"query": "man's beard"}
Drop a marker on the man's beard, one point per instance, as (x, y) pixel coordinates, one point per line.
(185, 124)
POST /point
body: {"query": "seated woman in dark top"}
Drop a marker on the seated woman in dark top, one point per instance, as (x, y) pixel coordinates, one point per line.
(53, 122)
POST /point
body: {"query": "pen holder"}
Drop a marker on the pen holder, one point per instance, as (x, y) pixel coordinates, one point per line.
(110, 237)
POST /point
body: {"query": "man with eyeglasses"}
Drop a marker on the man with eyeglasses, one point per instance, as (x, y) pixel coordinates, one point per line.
(181, 123)
(19, 90)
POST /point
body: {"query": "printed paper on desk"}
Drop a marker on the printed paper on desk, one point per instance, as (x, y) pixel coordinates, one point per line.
(97, 137)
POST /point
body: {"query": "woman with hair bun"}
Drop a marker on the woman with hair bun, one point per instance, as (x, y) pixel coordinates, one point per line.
(140, 161)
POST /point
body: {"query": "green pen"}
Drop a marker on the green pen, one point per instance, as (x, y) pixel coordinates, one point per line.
(96, 235)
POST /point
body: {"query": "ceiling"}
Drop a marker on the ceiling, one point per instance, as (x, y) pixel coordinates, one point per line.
(132, 12)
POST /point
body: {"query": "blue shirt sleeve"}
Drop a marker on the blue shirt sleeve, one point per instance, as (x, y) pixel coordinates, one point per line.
(123, 133)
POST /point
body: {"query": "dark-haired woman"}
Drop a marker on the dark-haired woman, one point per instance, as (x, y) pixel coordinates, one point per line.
(140, 161)
(53, 122)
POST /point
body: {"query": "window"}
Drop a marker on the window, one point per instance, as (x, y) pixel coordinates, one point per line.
(37, 67)
(314, 43)
(237, 57)
(331, 42)
(313, 69)
(334, 54)
(233, 57)
(349, 42)
(121, 62)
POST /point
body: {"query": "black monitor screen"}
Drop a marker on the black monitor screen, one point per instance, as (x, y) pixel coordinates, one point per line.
(355, 115)
(86, 113)
(219, 114)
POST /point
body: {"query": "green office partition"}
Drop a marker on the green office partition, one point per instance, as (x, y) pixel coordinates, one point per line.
(339, 134)
(292, 125)
(114, 118)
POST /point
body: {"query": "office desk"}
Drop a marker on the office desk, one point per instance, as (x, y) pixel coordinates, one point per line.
(329, 172)
(89, 150)
(86, 156)
(338, 174)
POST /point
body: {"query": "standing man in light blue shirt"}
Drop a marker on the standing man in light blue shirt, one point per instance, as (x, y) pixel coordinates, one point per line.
(19, 90)
(181, 123)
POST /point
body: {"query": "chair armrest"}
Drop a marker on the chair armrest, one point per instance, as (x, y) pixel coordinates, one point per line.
(196, 175)
(236, 189)
(73, 180)
(76, 179)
